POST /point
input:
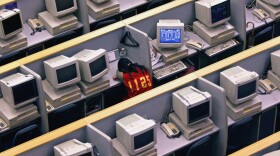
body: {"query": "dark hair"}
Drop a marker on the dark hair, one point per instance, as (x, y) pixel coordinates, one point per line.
(126, 66)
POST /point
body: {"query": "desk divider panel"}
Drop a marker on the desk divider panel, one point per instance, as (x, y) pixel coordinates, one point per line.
(141, 53)
(219, 115)
(102, 142)
(41, 101)
(238, 18)
(82, 15)
(185, 13)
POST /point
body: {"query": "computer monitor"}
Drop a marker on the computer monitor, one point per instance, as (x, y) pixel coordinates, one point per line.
(192, 105)
(19, 90)
(60, 8)
(136, 134)
(240, 85)
(212, 12)
(10, 23)
(73, 148)
(93, 64)
(275, 62)
(170, 33)
(62, 71)
(272, 2)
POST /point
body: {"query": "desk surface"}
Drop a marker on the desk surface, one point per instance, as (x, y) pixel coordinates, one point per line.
(257, 23)
(124, 6)
(167, 145)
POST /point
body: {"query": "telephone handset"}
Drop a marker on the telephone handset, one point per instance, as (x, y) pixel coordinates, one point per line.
(261, 14)
(267, 85)
(170, 130)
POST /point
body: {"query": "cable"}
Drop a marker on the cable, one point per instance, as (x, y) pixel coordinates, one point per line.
(251, 5)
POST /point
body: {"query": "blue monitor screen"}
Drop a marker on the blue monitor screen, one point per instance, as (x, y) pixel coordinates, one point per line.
(220, 11)
(170, 35)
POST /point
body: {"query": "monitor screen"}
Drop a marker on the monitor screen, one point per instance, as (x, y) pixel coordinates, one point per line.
(143, 139)
(98, 66)
(247, 89)
(220, 11)
(86, 154)
(66, 74)
(64, 4)
(170, 36)
(199, 112)
(12, 24)
(25, 91)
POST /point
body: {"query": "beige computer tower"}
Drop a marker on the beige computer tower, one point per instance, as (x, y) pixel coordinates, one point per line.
(273, 11)
(194, 130)
(95, 87)
(214, 35)
(57, 25)
(59, 97)
(16, 42)
(98, 11)
(242, 110)
(15, 117)
(119, 150)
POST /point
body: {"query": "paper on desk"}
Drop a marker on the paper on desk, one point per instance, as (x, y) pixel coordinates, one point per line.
(155, 58)
(111, 56)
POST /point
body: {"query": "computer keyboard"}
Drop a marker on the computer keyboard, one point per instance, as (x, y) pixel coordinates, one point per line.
(221, 47)
(169, 69)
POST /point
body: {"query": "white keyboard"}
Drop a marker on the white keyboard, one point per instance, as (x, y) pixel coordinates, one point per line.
(169, 69)
(221, 47)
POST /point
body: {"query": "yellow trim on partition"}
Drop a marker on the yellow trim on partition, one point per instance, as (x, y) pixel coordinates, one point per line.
(155, 11)
(4, 2)
(259, 146)
(238, 57)
(45, 138)
(9, 67)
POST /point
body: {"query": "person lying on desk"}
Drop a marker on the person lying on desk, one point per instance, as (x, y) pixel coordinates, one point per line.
(136, 78)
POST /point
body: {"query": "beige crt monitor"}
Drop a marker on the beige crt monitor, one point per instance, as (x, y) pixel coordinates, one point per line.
(60, 8)
(19, 89)
(212, 12)
(10, 23)
(170, 33)
(192, 105)
(240, 85)
(93, 64)
(136, 134)
(73, 148)
(62, 71)
(275, 62)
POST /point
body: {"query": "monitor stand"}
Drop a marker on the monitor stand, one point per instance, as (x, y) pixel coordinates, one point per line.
(192, 131)
(57, 25)
(95, 87)
(16, 42)
(59, 97)
(214, 35)
(15, 117)
(273, 11)
(244, 109)
(172, 54)
(119, 150)
(97, 11)
(274, 78)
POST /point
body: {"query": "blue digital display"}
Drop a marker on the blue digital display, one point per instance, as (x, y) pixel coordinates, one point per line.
(170, 36)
